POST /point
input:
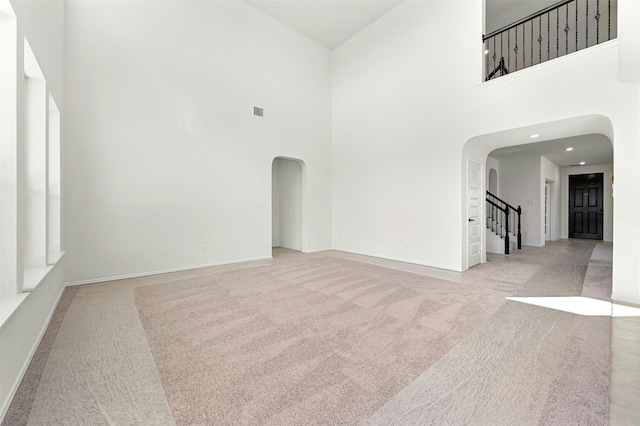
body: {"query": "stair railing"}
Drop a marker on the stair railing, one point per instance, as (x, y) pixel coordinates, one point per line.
(501, 68)
(560, 29)
(499, 215)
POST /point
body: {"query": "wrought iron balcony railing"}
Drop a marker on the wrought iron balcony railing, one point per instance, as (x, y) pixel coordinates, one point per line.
(558, 30)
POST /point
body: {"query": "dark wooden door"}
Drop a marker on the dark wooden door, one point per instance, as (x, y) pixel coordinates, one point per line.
(585, 206)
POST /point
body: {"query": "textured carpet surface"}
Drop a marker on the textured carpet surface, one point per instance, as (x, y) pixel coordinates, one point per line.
(325, 339)
(20, 409)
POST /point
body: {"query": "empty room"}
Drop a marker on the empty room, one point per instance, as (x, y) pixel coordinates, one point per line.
(296, 212)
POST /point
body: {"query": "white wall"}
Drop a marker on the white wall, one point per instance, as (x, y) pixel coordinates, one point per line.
(397, 134)
(629, 36)
(550, 172)
(288, 213)
(408, 112)
(519, 182)
(163, 153)
(42, 22)
(606, 170)
(494, 164)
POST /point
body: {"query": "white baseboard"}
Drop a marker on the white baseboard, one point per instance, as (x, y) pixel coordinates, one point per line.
(25, 366)
(163, 271)
(315, 250)
(634, 303)
(394, 259)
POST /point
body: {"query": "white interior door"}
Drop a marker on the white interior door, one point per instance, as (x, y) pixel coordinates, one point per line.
(474, 212)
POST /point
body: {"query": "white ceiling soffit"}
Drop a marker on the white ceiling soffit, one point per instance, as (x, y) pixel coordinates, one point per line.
(328, 22)
(592, 149)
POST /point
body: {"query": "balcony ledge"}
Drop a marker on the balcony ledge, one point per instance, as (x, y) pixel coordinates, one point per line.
(552, 63)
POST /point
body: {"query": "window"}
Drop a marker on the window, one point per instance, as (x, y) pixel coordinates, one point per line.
(10, 273)
(35, 171)
(53, 195)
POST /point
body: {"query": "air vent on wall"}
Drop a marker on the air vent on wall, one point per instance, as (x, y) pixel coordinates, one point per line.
(258, 112)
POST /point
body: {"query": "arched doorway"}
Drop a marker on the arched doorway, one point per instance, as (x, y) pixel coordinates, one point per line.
(286, 203)
(478, 149)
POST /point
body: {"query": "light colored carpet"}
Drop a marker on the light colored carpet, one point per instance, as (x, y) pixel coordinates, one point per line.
(311, 342)
(525, 366)
(327, 340)
(20, 408)
(100, 370)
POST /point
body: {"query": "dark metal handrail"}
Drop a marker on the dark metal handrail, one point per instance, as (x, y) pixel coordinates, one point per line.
(526, 19)
(557, 30)
(502, 220)
(495, 197)
(498, 206)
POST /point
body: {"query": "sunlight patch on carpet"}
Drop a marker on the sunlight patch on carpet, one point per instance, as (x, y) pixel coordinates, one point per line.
(578, 305)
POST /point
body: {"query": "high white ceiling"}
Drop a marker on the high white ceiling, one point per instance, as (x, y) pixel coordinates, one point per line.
(328, 22)
(592, 149)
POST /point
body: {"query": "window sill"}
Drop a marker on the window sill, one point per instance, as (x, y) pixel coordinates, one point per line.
(9, 305)
(34, 276)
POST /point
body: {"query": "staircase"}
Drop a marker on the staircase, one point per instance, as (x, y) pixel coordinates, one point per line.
(503, 226)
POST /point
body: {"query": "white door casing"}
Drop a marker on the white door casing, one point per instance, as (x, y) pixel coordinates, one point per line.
(473, 207)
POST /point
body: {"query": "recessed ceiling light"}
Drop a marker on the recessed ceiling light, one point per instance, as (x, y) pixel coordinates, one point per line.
(582, 163)
(486, 52)
(535, 135)
(568, 149)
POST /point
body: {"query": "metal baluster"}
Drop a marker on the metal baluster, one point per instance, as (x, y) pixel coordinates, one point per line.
(509, 49)
(609, 24)
(531, 44)
(519, 235)
(506, 232)
(540, 40)
(587, 26)
(548, 37)
(506, 237)
(493, 216)
(566, 30)
(597, 18)
(557, 32)
(501, 55)
(494, 53)
(515, 49)
(577, 25)
(524, 47)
